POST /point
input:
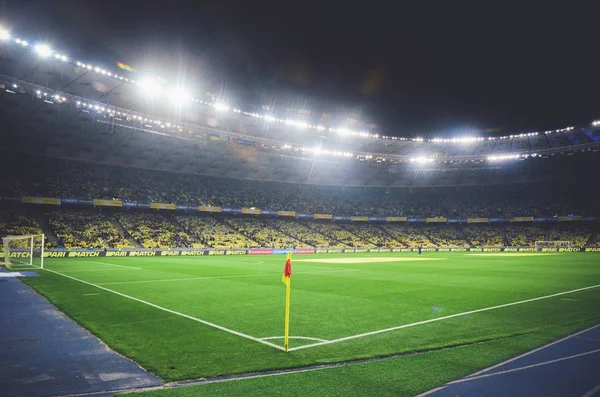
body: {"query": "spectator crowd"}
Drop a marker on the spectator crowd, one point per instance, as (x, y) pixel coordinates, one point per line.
(67, 178)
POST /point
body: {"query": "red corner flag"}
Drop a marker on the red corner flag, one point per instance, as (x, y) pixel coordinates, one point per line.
(287, 270)
(287, 278)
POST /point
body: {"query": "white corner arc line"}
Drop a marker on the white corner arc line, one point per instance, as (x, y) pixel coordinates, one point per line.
(294, 337)
(173, 311)
(381, 331)
(223, 277)
(508, 371)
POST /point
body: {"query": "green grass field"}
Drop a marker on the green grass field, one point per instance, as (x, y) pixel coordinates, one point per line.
(199, 317)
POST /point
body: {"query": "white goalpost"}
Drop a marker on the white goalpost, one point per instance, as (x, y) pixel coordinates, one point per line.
(23, 251)
(540, 245)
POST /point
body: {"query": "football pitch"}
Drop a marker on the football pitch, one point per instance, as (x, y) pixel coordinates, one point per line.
(200, 317)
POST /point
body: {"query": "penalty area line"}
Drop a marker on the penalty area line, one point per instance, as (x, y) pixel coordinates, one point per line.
(381, 331)
(228, 330)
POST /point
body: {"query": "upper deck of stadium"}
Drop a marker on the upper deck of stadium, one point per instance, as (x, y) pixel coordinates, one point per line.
(85, 111)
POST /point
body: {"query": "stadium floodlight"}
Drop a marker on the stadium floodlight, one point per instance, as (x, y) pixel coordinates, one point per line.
(421, 160)
(150, 87)
(221, 107)
(43, 50)
(503, 157)
(4, 35)
(269, 118)
(179, 96)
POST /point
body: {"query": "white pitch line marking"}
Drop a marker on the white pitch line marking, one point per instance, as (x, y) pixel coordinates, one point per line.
(173, 311)
(358, 261)
(569, 299)
(533, 351)
(112, 264)
(294, 337)
(592, 392)
(443, 318)
(223, 277)
(508, 371)
(91, 294)
(96, 270)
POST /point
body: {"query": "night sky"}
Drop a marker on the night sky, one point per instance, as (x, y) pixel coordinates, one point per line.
(430, 69)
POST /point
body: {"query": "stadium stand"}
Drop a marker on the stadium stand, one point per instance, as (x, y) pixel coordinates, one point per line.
(301, 232)
(210, 232)
(578, 236)
(264, 232)
(372, 234)
(17, 222)
(339, 236)
(77, 229)
(484, 235)
(95, 229)
(67, 178)
(154, 230)
(409, 236)
(518, 235)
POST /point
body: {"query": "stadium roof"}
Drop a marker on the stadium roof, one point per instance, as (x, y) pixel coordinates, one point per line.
(45, 84)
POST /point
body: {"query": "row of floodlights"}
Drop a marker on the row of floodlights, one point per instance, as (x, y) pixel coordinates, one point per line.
(178, 95)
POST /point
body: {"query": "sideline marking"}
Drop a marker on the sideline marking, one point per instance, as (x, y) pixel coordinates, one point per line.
(173, 311)
(108, 264)
(96, 270)
(506, 254)
(592, 392)
(534, 351)
(349, 260)
(510, 360)
(442, 318)
(508, 371)
(294, 337)
(219, 277)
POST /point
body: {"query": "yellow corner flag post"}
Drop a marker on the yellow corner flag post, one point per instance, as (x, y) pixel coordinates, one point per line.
(287, 279)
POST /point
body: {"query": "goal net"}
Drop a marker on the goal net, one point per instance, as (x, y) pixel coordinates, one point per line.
(23, 251)
(540, 245)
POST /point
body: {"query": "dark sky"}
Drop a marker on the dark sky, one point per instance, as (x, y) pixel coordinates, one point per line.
(426, 69)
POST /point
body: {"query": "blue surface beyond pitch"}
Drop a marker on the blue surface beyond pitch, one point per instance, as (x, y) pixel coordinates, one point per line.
(44, 353)
(570, 367)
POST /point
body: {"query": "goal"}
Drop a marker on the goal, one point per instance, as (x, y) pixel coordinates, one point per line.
(24, 251)
(540, 245)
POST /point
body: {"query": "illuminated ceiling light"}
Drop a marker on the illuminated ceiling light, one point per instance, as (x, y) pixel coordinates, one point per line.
(43, 50)
(421, 160)
(150, 87)
(221, 107)
(4, 34)
(178, 96)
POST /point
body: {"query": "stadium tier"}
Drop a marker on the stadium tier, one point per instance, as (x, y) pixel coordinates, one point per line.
(120, 228)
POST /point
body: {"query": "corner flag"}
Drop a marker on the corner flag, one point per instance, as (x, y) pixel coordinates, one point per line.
(287, 278)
